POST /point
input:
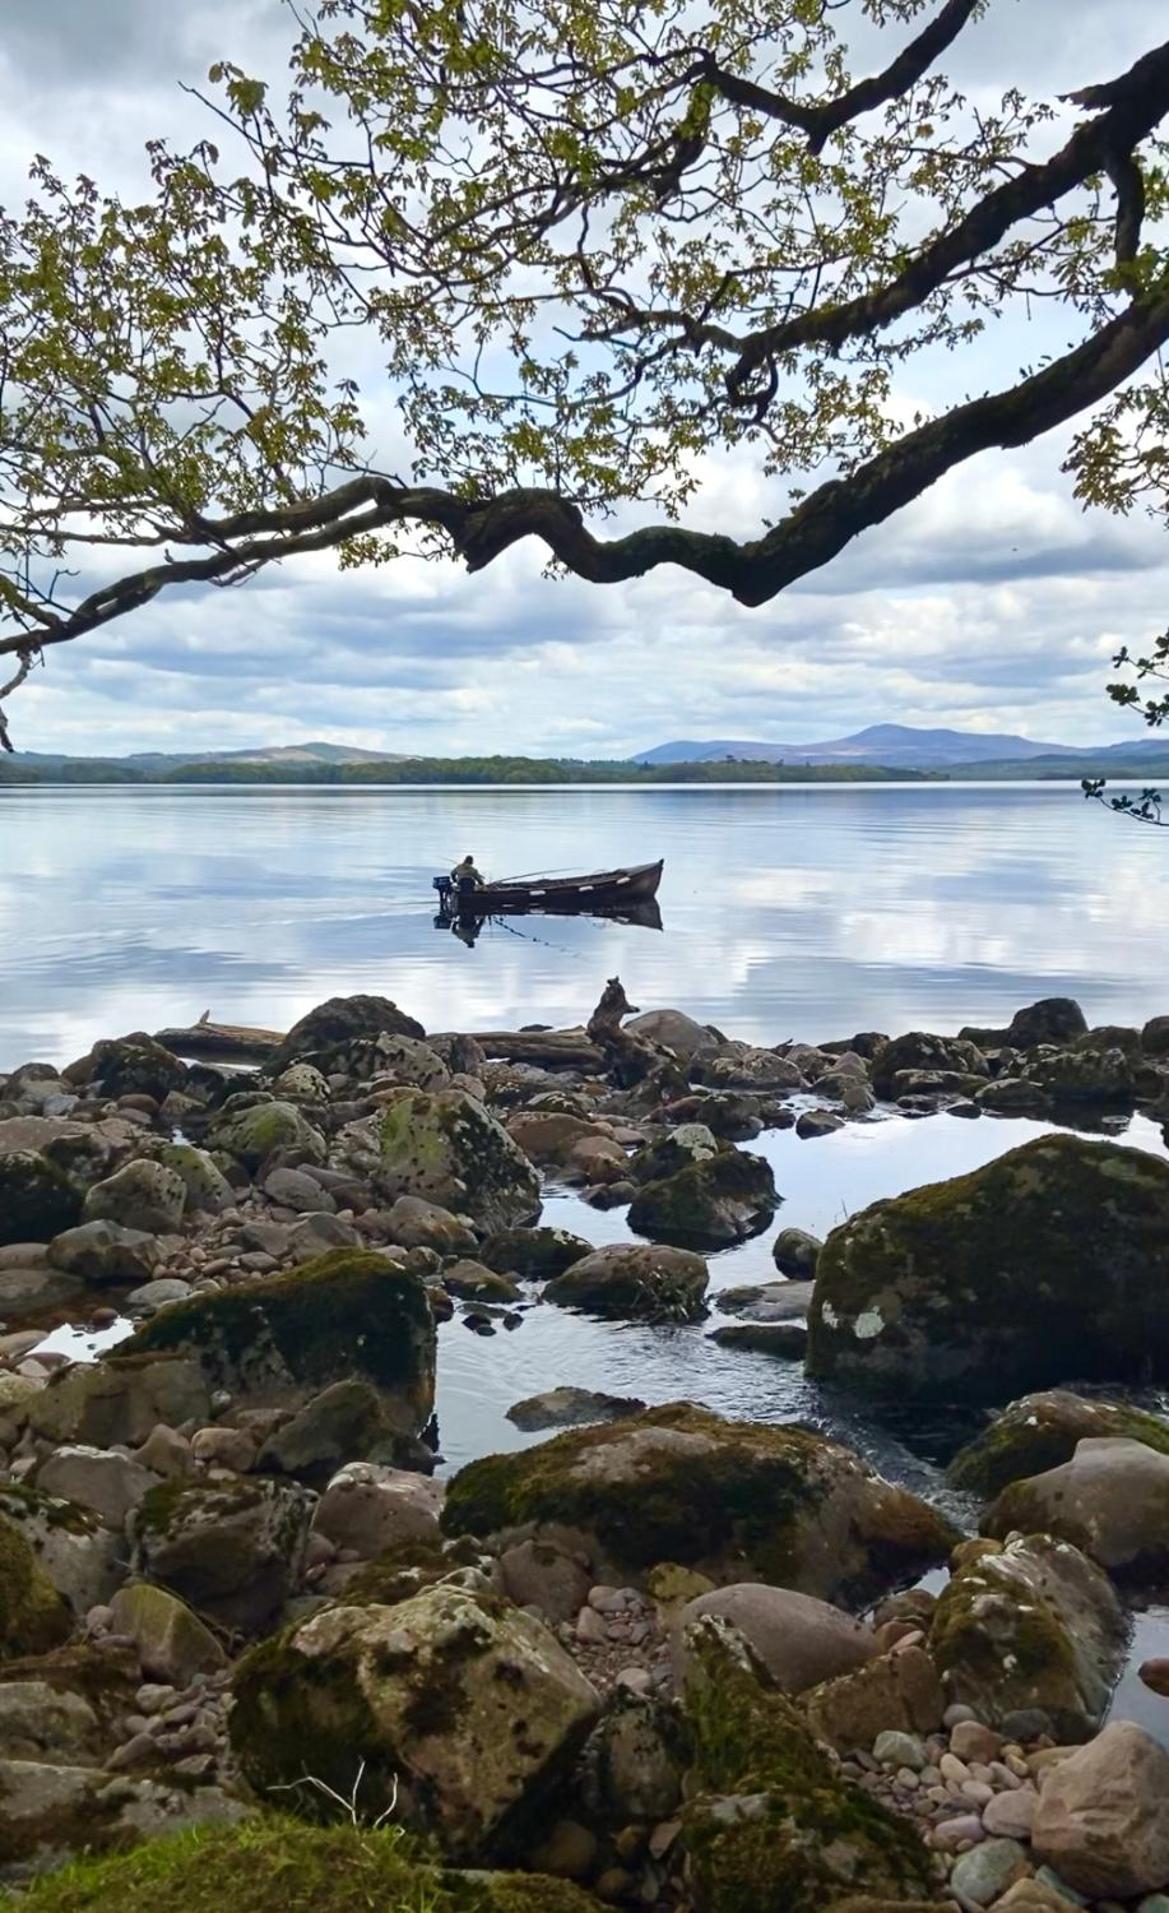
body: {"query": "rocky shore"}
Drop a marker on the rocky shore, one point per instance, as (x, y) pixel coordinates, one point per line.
(254, 1644)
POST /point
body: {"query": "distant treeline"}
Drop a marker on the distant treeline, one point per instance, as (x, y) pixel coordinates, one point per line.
(453, 770)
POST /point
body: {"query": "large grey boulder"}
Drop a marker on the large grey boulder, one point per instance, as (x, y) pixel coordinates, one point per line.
(1111, 1500)
(1041, 1431)
(1103, 1816)
(78, 1556)
(106, 1252)
(983, 1284)
(368, 1508)
(121, 1399)
(464, 1709)
(143, 1196)
(339, 1022)
(107, 1483)
(799, 1640)
(674, 1030)
(1055, 1019)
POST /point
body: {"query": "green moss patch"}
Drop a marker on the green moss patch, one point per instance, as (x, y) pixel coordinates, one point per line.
(275, 1865)
(33, 1617)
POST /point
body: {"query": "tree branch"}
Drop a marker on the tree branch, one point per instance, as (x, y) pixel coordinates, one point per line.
(821, 121)
(481, 529)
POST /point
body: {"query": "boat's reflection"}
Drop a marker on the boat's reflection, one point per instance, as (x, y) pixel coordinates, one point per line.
(469, 927)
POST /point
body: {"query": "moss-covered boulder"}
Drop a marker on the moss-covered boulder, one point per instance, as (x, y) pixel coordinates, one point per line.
(271, 1864)
(712, 1202)
(464, 1707)
(33, 1617)
(171, 1643)
(920, 1050)
(741, 1501)
(1105, 1076)
(1040, 1431)
(252, 1134)
(984, 1284)
(133, 1065)
(1032, 1625)
(1111, 1499)
(37, 1201)
(233, 1548)
(444, 1146)
(633, 1281)
(771, 1821)
(350, 1314)
(677, 1149)
(338, 1022)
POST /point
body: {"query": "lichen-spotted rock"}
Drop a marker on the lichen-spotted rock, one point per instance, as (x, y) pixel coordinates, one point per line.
(233, 1549)
(982, 1284)
(463, 1705)
(741, 1501)
(1034, 1624)
(446, 1147)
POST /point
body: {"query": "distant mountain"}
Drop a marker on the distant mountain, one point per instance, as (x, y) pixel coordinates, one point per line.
(902, 747)
(148, 761)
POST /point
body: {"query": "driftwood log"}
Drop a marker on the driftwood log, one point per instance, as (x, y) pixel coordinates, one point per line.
(236, 1042)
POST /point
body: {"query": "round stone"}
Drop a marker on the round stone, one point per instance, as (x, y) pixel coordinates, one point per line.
(984, 1874)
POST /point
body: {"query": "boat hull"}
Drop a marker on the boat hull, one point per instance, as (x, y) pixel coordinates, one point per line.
(604, 891)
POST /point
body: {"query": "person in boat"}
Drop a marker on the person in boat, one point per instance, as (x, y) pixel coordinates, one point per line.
(465, 877)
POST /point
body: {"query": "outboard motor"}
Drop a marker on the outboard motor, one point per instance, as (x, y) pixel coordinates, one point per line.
(444, 886)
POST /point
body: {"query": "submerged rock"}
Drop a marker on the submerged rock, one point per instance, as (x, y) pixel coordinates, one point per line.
(714, 1201)
(738, 1500)
(984, 1283)
(348, 1314)
(1034, 1625)
(460, 1705)
(1040, 1431)
(571, 1408)
(1111, 1500)
(631, 1281)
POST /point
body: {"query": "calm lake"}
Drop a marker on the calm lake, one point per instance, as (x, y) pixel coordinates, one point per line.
(807, 912)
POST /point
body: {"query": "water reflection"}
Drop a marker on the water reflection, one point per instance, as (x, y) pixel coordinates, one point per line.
(793, 911)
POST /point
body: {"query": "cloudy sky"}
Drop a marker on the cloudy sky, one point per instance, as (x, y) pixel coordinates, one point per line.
(994, 604)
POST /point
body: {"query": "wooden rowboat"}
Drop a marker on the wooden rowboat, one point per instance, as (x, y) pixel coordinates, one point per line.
(603, 891)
